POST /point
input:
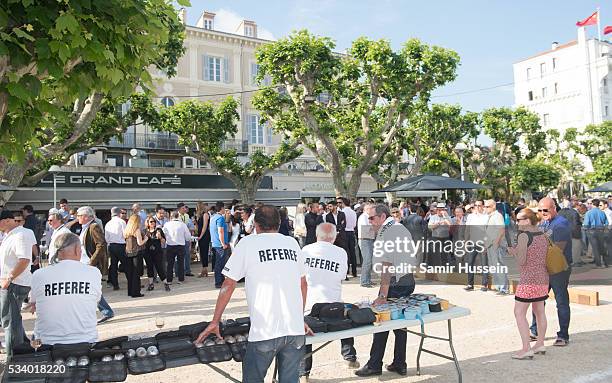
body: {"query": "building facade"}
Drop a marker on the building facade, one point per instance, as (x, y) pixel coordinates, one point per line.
(567, 86)
(215, 65)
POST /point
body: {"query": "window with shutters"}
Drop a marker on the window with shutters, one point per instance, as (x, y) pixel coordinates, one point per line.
(216, 69)
(255, 130)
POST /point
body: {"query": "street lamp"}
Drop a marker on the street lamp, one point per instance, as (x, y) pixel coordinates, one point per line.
(54, 169)
(460, 148)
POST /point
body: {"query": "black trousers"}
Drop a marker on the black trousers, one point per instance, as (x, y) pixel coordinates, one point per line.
(155, 262)
(204, 245)
(471, 262)
(117, 254)
(347, 349)
(175, 253)
(350, 251)
(377, 351)
(132, 275)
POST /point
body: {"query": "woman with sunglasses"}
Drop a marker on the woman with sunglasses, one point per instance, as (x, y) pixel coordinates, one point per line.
(153, 253)
(530, 253)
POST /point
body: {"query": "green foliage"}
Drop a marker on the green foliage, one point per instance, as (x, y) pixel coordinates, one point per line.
(602, 170)
(55, 52)
(347, 108)
(204, 126)
(508, 127)
(532, 175)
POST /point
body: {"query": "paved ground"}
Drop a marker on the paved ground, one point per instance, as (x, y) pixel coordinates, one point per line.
(484, 341)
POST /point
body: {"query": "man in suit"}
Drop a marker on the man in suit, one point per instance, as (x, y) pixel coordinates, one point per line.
(338, 218)
(312, 219)
(93, 251)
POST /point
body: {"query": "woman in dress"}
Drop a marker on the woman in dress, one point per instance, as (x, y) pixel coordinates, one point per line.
(300, 224)
(134, 242)
(530, 253)
(234, 226)
(203, 236)
(153, 253)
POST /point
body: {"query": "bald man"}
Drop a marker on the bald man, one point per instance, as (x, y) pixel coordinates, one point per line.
(559, 231)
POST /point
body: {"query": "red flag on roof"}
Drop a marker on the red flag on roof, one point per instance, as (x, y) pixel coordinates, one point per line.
(591, 20)
(608, 29)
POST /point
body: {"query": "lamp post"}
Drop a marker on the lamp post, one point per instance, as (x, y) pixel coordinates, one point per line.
(460, 148)
(54, 169)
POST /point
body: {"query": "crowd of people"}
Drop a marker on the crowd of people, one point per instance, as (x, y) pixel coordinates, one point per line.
(289, 263)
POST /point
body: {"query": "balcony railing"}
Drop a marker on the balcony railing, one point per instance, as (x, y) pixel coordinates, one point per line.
(166, 141)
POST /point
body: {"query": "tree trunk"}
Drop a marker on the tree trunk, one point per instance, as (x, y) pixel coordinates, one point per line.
(391, 197)
(12, 174)
(247, 190)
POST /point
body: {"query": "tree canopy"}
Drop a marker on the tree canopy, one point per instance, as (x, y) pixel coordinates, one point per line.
(347, 109)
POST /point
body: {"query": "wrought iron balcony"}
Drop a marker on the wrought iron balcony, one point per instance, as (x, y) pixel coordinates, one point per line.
(166, 141)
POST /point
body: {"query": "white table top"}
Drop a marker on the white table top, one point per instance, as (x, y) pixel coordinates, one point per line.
(451, 313)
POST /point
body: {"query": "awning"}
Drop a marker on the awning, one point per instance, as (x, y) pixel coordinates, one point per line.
(607, 187)
(429, 182)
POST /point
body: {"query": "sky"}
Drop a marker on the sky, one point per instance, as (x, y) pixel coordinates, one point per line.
(489, 35)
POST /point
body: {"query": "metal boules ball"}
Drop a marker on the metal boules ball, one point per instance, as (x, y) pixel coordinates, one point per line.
(59, 361)
(220, 341)
(131, 353)
(240, 338)
(209, 342)
(141, 352)
(83, 361)
(198, 344)
(119, 356)
(107, 358)
(71, 361)
(230, 339)
(152, 351)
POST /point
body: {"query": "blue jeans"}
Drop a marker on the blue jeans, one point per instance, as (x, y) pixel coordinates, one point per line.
(367, 248)
(495, 258)
(188, 258)
(105, 308)
(220, 255)
(11, 299)
(558, 283)
(259, 356)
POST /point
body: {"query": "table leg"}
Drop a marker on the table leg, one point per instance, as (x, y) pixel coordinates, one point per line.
(418, 361)
(223, 373)
(450, 342)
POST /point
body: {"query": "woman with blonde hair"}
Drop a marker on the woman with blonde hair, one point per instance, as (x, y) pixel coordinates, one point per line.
(299, 226)
(530, 253)
(134, 243)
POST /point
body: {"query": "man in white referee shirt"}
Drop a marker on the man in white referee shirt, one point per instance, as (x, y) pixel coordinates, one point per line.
(326, 268)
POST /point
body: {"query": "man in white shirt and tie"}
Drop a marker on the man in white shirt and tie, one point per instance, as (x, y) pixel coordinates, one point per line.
(113, 233)
(344, 205)
(177, 234)
(55, 221)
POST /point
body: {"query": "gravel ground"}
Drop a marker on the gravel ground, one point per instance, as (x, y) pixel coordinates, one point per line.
(483, 341)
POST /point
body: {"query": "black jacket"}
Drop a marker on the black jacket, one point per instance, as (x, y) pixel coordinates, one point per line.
(340, 227)
(311, 221)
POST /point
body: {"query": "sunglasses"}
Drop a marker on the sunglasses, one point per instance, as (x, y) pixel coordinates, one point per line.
(542, 210)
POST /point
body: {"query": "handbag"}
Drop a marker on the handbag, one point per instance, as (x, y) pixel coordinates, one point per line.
(555, 260)
(362, 316)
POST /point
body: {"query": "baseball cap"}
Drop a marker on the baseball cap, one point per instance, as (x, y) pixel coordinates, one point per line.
(440, 205)
(6, 214)
(54, 211)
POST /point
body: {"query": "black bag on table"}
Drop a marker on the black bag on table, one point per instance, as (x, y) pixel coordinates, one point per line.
(146, 364)
(193, 330)
(328, 311)
(175, 347)
(315, 324)
(113, 371)
(214, 353)
(338, 325)
(238, 351)
(235, 327)
(66, 350)
(361, 317)
(74, 375)
(40, 356)
(110, 343)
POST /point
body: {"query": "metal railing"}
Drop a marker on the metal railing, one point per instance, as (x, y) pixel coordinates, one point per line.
(166, 141)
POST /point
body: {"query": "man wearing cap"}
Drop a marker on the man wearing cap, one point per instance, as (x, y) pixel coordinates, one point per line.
(439, 224)
(113, 234)
(65, 295)
(15, 277)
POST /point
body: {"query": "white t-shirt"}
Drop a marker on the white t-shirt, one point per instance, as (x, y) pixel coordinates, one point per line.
(250, 224)
(494, 227)
(272, 265)
(84, 256)
(326, 268)
(351, 218)
(17, 244)
(66, 296)
(403, 256)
